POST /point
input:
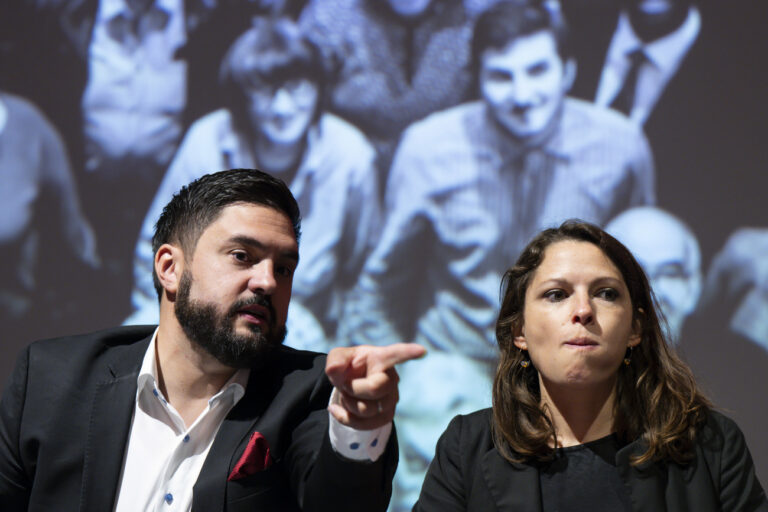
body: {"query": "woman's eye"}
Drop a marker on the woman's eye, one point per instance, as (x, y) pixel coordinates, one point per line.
(608, 294)
(555, 295)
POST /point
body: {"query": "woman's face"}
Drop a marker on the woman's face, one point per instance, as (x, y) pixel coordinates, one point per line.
(577, 318)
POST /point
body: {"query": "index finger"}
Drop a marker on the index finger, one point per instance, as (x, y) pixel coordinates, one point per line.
(380, 359)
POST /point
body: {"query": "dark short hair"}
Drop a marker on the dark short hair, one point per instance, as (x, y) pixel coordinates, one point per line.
(656, 395)
(193, 208)
(273, 51)
(509, 20)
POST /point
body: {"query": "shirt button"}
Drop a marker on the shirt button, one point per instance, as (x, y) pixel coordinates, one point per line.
(169, 498)
(154, 392)
(186, 438)
(354, 446)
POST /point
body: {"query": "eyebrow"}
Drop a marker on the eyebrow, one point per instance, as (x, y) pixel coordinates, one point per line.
(257, 244)
(560, 281)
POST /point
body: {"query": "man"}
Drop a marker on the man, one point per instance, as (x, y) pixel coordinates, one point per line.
(130, 76)
(470, 185)
(696, 92)
(208, 411)
(669, 254)
(274, 120)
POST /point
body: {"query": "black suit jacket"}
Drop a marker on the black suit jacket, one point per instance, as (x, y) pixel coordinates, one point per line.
(66, 415)
(708, 129)
(469, 474)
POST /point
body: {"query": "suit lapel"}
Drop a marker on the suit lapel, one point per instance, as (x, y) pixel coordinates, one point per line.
(499, 475)
(209, 492)
(109, 425)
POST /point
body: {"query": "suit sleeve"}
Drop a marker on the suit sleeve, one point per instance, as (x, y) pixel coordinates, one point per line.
(14, 481)
(443, 489)
(740, 490)
(322, 479)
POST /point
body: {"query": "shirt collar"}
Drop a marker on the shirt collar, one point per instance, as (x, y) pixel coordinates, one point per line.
(666, 52)
(147, 380)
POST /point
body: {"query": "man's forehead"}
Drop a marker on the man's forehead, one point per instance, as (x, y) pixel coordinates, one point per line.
(522, 49)
(251, 220)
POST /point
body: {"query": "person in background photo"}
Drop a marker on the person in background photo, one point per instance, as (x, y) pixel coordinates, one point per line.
(275, 120)
(37, 186)
(207, 410)
(669, 254)
(392, 61)
(592, 409)
(470, 184)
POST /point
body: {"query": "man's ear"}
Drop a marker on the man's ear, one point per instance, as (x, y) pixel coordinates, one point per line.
(169, 265)
(569, 73)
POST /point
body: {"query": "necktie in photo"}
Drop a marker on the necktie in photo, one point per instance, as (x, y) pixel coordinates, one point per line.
(625, 99)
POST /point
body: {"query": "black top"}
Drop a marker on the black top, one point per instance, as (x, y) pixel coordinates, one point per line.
(584, 478)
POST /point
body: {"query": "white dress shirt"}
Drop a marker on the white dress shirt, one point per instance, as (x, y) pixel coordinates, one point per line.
(164, 456)
(663, 57)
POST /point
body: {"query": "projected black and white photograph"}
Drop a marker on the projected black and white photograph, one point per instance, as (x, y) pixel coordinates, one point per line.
(426, 144)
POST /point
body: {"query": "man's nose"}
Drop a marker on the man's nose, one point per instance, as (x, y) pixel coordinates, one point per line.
(262, 278)
(583, 313)
(524, 91)
(283, 101)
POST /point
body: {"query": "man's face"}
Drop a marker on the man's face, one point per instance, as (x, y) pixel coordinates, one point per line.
(282, 113)
(663, 249)
(233, 295)
(652, 19)
(409, 8)
(524, 83)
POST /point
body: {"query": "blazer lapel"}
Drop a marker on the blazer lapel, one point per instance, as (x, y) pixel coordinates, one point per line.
(499, 475)
(646, 483)
(209, 492)
(109, 425)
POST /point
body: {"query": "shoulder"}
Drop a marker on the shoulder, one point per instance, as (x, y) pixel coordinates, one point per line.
(604, 121)
(92, 343)
(336, 135)
(471, 433)
(450, 123)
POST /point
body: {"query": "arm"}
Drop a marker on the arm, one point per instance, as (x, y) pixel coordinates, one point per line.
(383, 305)
(57, 175)
(15, 484)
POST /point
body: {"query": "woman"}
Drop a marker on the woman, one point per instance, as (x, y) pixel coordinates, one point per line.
(591, 409)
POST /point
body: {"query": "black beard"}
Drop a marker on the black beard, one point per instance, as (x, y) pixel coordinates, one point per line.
(215, 333)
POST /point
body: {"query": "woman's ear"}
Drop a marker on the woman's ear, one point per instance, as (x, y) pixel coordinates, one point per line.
(521, 343)
(169, 266)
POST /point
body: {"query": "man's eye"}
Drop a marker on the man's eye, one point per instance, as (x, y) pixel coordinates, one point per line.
(608, 294)
(240, 256)
(538, 69)
(555, 295)
(285, 271)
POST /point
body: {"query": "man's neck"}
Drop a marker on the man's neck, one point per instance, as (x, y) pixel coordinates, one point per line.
(187, 375)
(579, 414)
(279, 158)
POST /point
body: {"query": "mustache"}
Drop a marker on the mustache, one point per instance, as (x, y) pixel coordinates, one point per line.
(258, 300)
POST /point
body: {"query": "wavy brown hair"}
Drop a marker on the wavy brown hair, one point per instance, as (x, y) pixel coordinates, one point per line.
(657, 399)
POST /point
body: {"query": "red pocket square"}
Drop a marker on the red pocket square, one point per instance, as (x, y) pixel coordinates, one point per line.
(255, 458)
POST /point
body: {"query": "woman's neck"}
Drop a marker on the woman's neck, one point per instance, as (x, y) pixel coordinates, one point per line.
(580, 414)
